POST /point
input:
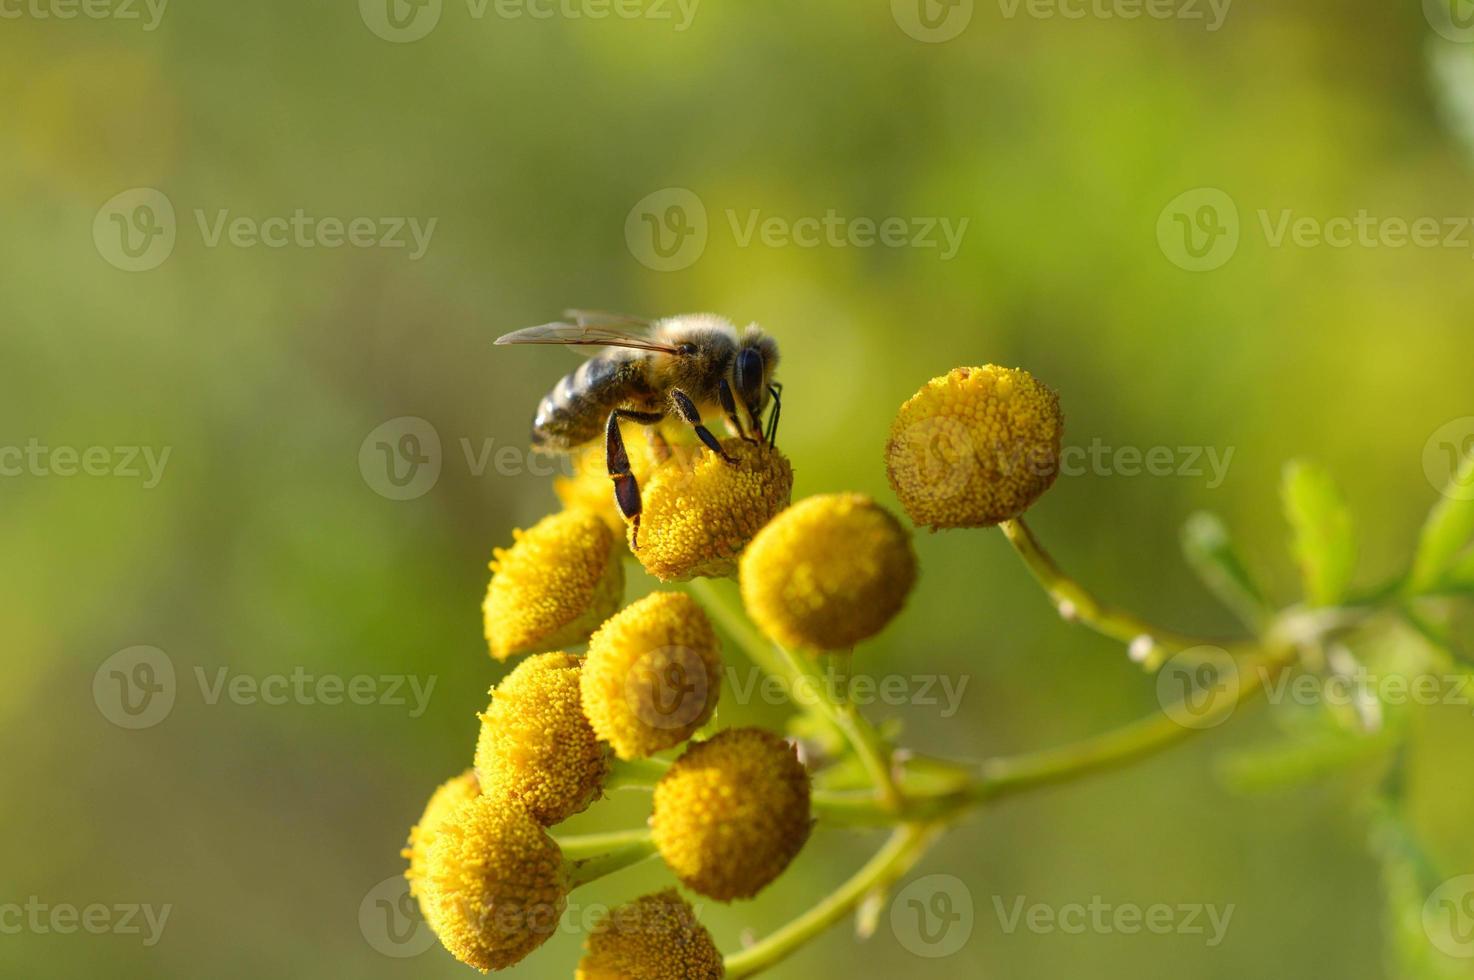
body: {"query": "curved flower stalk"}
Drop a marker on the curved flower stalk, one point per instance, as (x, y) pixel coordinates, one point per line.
(731, 811)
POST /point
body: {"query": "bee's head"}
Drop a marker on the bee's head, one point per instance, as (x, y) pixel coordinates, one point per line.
(752, 368)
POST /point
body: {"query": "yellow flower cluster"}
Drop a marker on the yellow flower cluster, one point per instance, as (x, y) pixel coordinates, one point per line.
(700, 512)
(554, 586)
(730, 813)
(536, 745)
(974, 447)
(443, 802)
(655, 937)
(828, 572)
(496, 883)
(653, 675)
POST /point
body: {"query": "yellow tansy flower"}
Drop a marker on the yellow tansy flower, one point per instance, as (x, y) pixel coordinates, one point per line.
(653, 675)
(828, 572)
(536, 746)
(975, 447)
(443, 802)
(700, 511)
(497, 883)
(560, 579)
(732, 812)
(655, 937)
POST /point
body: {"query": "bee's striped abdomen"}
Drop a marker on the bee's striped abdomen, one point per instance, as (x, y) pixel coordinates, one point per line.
(575, 410)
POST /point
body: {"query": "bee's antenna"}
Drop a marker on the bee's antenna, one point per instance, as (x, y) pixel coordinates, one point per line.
(774, 389)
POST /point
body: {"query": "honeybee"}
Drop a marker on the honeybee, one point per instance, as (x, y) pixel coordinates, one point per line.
(683, 365)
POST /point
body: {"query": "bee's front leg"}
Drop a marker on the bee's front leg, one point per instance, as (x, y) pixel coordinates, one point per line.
(686, 408)
(626, 488)
(729, 406)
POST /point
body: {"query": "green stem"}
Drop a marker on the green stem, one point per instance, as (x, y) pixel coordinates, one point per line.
(872, 751)
(1150, 644)
(1128, 743)
(900, 853)
(581, 846)
(807, 688)
(767, 656)
(1007, 775)
(737, 626)
(606, 854)
(635, 773)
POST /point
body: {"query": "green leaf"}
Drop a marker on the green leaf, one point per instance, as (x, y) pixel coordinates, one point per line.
(1289, 762)
(1324, 539)
(1210, 552)
(1409, 879)
(1461, 572)
(1446, 532)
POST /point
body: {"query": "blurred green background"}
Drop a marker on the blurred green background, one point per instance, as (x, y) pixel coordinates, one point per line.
(266, 546)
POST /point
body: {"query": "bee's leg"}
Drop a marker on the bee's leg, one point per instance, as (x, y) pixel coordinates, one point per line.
(626, 489)
(686, 408)
(729, 406)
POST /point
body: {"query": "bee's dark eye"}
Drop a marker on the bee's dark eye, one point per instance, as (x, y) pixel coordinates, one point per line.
(749, 375)
(687, 349)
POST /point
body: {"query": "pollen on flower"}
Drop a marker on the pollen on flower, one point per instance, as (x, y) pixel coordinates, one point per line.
(828, 572)
(497, 883)
(443, 802)
(655, 937)
(653, 675)
(700, 511)
(732, 812)
(974, 447)
(536, 747)
(560, 579)
(589, 487)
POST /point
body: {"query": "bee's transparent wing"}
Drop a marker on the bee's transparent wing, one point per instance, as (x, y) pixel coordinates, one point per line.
(604, 318)
(591, 328)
